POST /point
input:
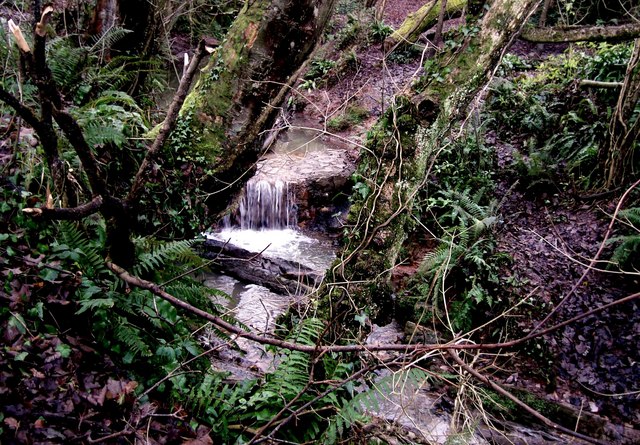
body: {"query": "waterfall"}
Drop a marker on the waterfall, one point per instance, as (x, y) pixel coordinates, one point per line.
(267, 204)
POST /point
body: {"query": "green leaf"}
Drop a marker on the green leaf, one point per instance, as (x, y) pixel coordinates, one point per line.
(17, 321)
(21, 356)
(94, 304)
(64, 350)
(49, 275)
(37, 310)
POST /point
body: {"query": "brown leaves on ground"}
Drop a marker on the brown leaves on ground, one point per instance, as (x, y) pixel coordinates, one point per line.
(55, 385)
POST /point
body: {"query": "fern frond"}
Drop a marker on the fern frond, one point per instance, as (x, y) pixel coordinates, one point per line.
(446, 252)
(368, 401)
(84, 250)
(104, 42)
(156, 254)
(632, 216)
(66, 61)
(132, 338)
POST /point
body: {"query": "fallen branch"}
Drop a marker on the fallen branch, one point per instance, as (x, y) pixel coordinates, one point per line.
(599, 84)
(452, 345)
(567, 34)
(67, 213)
(503, 392)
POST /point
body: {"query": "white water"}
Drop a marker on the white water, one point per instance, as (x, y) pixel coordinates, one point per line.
(268, 204)
(290, 244)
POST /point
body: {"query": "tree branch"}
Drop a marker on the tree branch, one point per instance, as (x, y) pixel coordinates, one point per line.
(168, 124)
(567, 34)
(599, 84)
(73, 132)
(157, 290)
(67, 213)
(23, 111)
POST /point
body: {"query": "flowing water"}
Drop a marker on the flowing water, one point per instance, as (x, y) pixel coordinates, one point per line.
(267, 204)
(266, 223)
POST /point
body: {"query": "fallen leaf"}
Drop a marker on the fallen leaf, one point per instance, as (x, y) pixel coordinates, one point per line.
(12, 423)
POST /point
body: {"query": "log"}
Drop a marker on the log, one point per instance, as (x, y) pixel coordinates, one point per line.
(276, 274)
(569, 34)
(421, 20)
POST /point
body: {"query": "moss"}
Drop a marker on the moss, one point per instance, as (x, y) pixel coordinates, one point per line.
(353, 115)
(212, 98)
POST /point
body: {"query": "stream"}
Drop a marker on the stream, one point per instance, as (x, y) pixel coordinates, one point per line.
(268, 227)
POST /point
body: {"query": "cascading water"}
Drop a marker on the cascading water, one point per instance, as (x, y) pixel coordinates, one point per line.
(267, 204)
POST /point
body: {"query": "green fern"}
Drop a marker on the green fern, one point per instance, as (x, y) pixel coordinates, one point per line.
(154, 254)
(88, 253)
(627, 253)
(133, 338)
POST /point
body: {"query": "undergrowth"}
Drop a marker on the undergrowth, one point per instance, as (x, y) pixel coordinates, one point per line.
(557, 125)
(459, 278)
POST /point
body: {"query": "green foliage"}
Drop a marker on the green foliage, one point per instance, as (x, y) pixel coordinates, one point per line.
(111, 118)
(318, 69)
(379, 31)
(351, 32)
(404, 54)
(147, 332)
(230, 409)
(557, 127)
(511, 64)
(627, 252)
(463, 266)
(608, 62)
(206, 18)
(459, 276)
(83, 71)
(368, 400)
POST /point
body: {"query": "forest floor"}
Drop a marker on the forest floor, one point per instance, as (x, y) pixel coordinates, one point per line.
(61, 390)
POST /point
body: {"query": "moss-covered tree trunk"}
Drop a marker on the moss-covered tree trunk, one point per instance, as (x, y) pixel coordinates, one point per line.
(248, 76)
(395, 166)
(418, 22)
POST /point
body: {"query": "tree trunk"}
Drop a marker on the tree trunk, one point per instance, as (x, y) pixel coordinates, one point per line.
(236, 97)
(568, 34)
(395, 167)
(623, 135)
(544, 13)
(143, 19)
(421, 20)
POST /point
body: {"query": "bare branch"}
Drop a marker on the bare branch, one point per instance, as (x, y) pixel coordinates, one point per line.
(25, 112)
(168, 123)
(454, 344)
(41, 26)
(503, 392)
(67, 213)
(599, 84)
(73, 132)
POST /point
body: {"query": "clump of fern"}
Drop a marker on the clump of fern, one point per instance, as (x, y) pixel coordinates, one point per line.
(627, 252)
(461, 273)
(143, 331)
(234, 410)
